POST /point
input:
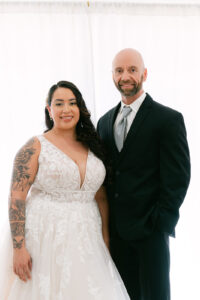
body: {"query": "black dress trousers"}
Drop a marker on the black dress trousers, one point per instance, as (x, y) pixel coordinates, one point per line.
(144, 266)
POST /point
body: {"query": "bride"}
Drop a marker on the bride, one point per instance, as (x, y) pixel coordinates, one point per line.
(58, 211)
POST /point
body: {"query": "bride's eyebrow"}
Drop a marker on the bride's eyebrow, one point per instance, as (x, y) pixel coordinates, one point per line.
(61, 100)
(72, 99)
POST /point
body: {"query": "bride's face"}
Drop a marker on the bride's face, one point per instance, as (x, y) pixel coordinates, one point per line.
(64, 109)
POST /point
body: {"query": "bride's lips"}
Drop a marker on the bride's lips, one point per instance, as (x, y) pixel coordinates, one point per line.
(66, 118)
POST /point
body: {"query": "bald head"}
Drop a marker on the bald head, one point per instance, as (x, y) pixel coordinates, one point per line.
(129, 73)
(128, 55)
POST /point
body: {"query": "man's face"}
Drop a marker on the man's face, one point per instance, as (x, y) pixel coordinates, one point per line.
(128, 74)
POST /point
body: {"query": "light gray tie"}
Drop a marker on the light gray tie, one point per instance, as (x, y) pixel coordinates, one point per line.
(120, 131)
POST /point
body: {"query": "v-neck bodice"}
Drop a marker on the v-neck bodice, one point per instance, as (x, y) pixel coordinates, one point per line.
(59, 177)
(82, 180)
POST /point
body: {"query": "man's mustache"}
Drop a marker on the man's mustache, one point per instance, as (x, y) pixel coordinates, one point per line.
(125, 82)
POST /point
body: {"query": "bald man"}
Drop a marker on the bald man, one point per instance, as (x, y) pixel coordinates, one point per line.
(147, 147)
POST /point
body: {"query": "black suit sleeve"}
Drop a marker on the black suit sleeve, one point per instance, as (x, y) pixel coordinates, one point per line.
(98, 127)
(174, 173)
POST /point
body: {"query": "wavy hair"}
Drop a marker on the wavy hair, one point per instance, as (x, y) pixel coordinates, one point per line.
(85, 130)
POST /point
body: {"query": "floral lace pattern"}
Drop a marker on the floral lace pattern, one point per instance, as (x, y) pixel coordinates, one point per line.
(64, 234)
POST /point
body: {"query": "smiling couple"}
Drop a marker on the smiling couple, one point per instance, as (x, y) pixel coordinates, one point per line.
(80, 196)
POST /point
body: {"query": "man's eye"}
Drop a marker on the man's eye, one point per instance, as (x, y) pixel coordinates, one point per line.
(132, 70)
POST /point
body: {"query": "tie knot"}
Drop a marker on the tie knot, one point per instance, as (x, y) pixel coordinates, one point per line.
(126, 111)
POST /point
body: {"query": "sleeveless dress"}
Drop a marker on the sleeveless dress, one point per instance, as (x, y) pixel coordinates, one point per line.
(64, 235)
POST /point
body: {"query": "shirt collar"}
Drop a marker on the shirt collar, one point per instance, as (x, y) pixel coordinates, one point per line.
(135, 105)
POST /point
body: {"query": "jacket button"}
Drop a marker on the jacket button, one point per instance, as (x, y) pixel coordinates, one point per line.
(117, 173)
(116, 195)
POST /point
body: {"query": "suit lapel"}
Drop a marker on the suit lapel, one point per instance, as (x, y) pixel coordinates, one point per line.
(112, 118)
(137, 122)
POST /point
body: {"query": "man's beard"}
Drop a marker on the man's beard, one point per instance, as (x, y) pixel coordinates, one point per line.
(130, 92)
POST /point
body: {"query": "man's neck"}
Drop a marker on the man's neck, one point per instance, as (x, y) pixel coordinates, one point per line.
(131, 99)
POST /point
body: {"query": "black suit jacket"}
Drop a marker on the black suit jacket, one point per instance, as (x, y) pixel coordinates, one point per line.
(151, 173)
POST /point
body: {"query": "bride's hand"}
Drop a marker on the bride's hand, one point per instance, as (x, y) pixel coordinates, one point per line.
(22, 263)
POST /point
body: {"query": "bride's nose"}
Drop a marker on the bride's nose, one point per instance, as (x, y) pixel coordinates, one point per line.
(66, 107)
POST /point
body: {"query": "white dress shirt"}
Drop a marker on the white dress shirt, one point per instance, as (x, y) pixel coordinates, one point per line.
(135, 105)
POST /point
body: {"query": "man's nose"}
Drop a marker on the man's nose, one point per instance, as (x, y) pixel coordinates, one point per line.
(125, 76)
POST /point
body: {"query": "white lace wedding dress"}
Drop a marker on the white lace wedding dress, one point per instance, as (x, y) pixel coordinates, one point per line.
(63, 236)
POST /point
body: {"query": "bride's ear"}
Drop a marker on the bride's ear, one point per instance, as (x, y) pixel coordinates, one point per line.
(49, 110)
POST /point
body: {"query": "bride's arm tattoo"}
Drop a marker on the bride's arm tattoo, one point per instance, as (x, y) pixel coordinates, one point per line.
(21, 172)
(22, 178)
(17, 221)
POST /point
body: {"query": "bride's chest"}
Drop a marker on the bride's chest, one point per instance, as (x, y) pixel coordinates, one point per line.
(57, 171)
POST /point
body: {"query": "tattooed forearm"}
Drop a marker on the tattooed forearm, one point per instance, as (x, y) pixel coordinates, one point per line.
(17, 229)
(17, 221)
(17, 244)
(21, 172)
(17, 210)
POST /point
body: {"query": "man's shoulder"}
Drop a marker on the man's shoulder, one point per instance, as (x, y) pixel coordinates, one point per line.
(161, 108)
(109, 113)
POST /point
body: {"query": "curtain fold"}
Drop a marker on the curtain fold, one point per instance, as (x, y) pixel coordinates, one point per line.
(106, 2)
(96, 8)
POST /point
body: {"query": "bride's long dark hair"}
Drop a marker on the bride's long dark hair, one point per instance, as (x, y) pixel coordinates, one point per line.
(85, 130)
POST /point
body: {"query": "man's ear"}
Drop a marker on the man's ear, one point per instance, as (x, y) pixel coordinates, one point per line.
(145, 74)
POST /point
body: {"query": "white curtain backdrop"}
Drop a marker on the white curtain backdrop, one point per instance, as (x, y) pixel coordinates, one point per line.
(42, 42)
